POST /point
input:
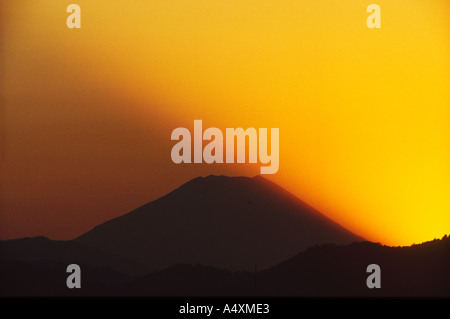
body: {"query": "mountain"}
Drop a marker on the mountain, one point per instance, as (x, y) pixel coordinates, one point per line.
(234, 223)
(223, 236)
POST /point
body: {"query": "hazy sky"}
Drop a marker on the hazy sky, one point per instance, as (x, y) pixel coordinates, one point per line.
(87, 114)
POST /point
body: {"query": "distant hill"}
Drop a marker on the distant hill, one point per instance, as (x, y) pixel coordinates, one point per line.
(37, 249)
(322, 271)
(332, 270)
(46, 278)
(327, 270)
(235, 223)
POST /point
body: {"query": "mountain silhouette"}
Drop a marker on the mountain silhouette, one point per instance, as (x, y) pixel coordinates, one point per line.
(234, 223)
(223, 236)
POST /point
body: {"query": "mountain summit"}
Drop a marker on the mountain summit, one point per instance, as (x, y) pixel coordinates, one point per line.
(236, 223)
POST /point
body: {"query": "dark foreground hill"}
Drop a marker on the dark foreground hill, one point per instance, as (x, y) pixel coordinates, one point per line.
(36, 249)
(322, 271)
(232, 223)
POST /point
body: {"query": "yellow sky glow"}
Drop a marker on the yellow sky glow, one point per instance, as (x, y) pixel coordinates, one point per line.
(363, 113)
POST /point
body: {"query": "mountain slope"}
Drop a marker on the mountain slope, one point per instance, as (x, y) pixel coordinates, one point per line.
(232, 223)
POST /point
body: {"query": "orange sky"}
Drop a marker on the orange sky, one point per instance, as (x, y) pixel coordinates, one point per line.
(86, 115)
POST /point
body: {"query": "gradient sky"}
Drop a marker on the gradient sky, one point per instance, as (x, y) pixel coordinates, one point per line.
(86, 114)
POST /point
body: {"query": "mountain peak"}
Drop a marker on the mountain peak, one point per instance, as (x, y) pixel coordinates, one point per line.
(220, 221)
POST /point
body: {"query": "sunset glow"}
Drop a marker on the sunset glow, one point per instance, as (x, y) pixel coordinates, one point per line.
(363, 114)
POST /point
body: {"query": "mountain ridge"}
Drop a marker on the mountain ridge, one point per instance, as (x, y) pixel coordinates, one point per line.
(328, 270)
